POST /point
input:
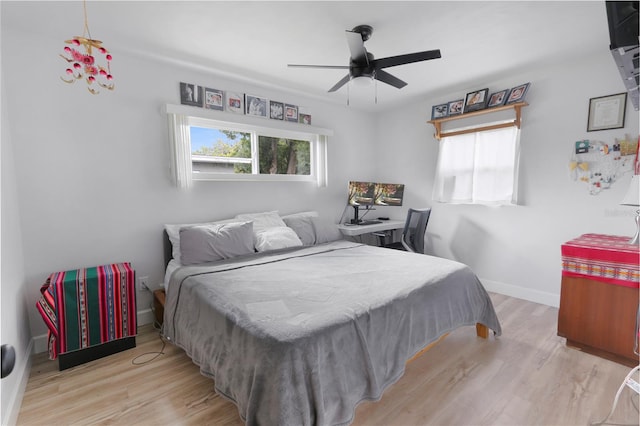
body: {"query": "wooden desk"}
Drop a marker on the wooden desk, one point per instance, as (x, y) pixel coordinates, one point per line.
(599, 296)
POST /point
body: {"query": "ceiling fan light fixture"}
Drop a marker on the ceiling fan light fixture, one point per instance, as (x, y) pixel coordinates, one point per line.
(362, 80)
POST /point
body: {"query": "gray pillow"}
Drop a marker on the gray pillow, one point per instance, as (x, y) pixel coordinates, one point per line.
(208, 243)
(173, 231)
(326, 230)
(262, 221)
(313, 229)
(303, 226)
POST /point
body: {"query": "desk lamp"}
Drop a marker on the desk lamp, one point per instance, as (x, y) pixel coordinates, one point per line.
(633, 199)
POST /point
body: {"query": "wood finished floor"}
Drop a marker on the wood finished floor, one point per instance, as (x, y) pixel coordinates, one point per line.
(525, 377)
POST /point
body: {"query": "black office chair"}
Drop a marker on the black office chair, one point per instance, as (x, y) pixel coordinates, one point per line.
(413, 232)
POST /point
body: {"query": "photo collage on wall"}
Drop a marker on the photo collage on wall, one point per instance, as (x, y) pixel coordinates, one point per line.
(241, 103)
(479, 100)
(600, 164)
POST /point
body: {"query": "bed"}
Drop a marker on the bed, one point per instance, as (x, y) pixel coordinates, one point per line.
(300, 333)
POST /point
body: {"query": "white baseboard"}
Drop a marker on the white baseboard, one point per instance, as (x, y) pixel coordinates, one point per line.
(145, 316)
(23, 369)
(537, 296)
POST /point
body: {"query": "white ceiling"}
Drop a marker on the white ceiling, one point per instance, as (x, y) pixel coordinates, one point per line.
(479, 40)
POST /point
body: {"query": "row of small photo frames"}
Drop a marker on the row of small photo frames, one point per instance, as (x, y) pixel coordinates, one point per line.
(240, 103)
(479, 99)
(600, 164)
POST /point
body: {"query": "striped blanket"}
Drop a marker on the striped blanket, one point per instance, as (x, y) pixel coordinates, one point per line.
(607, 258)
(87, 307)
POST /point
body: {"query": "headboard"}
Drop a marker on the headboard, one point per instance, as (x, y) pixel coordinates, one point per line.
(168, 248)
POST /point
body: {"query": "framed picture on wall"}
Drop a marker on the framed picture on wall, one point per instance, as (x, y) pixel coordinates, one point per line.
(607, 112)
(276, 110)
(256, 106)
(213, 99)
(476, 100)
(190, 94)
(304, 118)
(439, 111)
(497, 99)
(456, 107)
(291, 113)
(517, 94)
(234, 102)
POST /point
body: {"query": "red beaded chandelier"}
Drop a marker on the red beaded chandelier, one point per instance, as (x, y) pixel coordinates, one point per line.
(83, 63)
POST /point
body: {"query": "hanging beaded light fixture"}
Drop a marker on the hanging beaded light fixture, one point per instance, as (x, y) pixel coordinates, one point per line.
(93, 68)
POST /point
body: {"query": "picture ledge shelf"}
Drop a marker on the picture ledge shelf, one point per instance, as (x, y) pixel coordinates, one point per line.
(247, 120)
(517, 107)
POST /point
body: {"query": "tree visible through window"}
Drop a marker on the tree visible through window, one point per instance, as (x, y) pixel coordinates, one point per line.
(228, 151)
(284, 156)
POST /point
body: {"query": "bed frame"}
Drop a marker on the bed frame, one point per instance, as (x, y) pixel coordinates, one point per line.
(167, 248)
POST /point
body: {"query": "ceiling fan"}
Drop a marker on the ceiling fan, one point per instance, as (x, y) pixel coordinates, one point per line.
(363, 64)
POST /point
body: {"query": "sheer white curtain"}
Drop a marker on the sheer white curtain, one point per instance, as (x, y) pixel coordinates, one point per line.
(321, 162)
(479, 168)
(180, 151)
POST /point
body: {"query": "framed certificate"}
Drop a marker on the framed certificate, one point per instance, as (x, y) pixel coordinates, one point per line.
(607, 112)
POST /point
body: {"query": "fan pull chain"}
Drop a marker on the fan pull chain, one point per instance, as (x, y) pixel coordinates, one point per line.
(376, 91)
(348, 86)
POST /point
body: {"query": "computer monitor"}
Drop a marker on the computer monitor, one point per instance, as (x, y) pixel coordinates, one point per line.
(388, 194)
(361, 194)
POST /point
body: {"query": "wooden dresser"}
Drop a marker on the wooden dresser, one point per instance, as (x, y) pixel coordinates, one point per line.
(599, 296)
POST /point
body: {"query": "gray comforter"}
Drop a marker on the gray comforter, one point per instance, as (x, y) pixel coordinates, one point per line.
(300, 337)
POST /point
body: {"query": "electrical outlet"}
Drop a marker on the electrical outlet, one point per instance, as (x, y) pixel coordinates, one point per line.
(143, 283)
(633, 385)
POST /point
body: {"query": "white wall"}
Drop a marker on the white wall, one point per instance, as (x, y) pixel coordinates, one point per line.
(516, 250)
(15, 319)
(92, 172)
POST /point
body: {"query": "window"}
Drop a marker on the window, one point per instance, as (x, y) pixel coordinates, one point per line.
(478, 168)
(208, 149)
(215, 150)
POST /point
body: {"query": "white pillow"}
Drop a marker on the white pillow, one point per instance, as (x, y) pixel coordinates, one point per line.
(276, 238)
(208, 243)
(173, 231)
(262, 221)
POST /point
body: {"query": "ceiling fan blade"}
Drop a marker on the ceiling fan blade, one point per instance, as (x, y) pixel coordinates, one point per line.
(392, 61)
(385, 77)
(335, 67)
(356, 47)
(341, 83)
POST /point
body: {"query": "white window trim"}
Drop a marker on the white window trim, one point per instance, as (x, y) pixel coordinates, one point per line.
(212, 159)
(181, 117)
